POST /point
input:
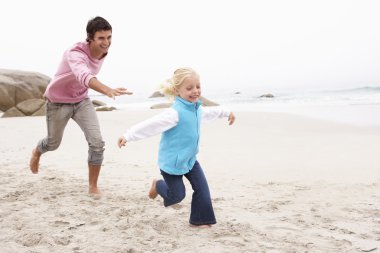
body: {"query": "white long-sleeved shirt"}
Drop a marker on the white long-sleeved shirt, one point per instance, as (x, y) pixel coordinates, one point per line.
(168, 119)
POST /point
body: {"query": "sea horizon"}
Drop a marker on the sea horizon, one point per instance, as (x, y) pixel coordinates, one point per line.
(358, 105)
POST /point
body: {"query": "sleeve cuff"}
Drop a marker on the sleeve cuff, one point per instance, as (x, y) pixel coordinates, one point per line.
(87, 80)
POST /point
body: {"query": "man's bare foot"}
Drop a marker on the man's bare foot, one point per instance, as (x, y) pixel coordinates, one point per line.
(35, 161)
(200, 226)
(153, 191)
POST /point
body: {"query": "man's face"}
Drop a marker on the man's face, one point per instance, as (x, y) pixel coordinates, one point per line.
(101, 42)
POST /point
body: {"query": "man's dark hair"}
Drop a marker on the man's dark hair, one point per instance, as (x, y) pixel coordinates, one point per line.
(96, 24)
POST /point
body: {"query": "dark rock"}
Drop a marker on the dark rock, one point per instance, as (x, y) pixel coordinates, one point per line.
(97, 103)
(206, 102)
(157, 94)
(105, 108)
(267, 95)
(161, 105)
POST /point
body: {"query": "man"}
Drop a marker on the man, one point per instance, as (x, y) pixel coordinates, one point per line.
(67, 97)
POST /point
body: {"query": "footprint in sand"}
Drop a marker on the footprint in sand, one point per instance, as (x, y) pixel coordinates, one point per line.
(62, 240)
(218, 199)
(30, 239)
(14, 196)
(123, 213)
(177, 206)
(61, 223)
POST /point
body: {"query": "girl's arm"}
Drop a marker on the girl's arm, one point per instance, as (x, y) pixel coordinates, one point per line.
(216, 112)
(150, 127)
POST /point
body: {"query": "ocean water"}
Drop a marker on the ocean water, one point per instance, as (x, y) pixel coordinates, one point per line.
(358, 106)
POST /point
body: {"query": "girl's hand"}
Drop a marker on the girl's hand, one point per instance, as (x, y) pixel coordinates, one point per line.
(231, 118)
(121, 142)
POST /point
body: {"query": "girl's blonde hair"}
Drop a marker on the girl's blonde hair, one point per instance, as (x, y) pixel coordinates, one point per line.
(168, 86)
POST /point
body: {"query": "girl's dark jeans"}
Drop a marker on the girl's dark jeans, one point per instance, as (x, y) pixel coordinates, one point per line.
(172, 190)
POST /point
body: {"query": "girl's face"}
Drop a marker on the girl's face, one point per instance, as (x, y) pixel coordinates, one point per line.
(190, 89)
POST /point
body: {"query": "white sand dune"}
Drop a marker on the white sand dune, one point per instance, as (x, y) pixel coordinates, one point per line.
(279, 183)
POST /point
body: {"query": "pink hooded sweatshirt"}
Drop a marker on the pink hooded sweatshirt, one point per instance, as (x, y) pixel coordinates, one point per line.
(70, 83)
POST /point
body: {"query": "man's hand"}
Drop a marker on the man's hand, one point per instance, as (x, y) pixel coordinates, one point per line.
(96, 85)
(118, 92)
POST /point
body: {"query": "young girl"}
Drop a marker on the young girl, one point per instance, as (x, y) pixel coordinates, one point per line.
(180, 128)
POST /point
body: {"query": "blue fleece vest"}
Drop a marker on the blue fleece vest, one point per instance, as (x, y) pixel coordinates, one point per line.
(179, 145)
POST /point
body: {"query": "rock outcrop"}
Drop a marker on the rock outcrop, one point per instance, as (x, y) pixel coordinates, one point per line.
(17, 86)
(30, 107)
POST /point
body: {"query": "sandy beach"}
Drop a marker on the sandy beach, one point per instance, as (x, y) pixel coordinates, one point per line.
(279, 183)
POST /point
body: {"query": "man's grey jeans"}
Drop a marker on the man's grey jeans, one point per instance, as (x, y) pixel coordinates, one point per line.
(84, 114)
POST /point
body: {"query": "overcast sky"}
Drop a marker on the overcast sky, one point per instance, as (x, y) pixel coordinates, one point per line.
(233, 44)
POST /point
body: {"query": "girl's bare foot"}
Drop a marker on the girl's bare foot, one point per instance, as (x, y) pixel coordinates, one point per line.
(153, 191)
(93, 190)
(35, 161)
